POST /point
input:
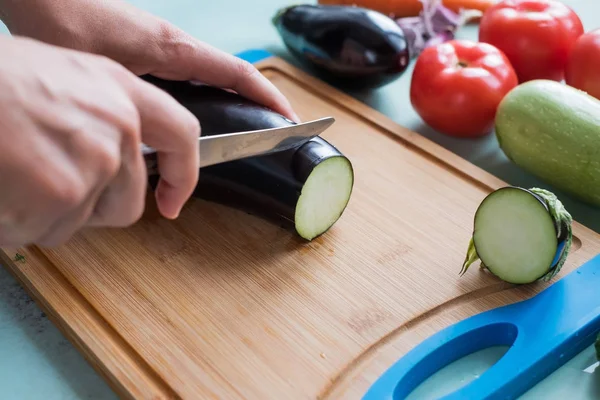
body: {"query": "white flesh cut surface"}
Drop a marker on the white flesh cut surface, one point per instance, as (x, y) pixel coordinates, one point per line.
(515, 235)
(324, 197)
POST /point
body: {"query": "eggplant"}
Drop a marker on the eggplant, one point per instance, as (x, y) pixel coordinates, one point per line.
(348, 45)
(306, 188)
(520, 235)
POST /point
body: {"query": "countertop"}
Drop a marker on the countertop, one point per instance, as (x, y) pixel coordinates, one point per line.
(37, 362)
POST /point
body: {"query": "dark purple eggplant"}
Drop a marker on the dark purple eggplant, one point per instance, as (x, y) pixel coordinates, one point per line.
(352, 46)
(306, 188)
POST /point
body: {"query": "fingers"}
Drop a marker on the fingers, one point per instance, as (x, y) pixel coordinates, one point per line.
(95, 156)
(66, 227)
(37, 220)
(173, 132)
(118, 198)
(228, 71)
(122, 203)
(190, 59)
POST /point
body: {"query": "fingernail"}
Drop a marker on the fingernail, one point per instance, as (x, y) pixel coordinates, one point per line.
(166, 200)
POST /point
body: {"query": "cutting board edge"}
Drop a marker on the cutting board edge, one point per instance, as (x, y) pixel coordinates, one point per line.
(100, 360)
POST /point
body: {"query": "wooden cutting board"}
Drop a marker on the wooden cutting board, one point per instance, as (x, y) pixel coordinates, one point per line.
(223, 305)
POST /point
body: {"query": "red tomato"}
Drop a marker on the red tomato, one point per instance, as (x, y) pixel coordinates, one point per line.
(457, 85)
(583, 67)
(535, 35)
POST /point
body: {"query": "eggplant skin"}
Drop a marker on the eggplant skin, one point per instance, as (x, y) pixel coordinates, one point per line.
(268, 186)
(345, 44)
(218, 110)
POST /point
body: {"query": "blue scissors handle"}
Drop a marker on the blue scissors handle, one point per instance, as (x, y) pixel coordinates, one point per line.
(543, 333)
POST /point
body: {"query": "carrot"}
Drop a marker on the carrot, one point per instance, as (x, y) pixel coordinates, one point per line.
(457, 5)
(410, 8)
(393, 8)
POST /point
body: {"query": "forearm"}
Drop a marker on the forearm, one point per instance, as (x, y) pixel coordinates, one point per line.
(106, 27)
(13, 12)
(58, 22)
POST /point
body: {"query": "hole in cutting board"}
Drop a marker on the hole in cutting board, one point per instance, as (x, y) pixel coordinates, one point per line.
(458, 374)
(457, 362)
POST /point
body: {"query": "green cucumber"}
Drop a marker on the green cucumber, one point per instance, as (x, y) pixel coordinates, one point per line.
(520, 235)
(552, 131)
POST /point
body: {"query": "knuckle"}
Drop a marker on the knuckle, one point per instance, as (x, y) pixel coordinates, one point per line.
(68, 192)
(167, 33)
(193, 128)
(246, 70)
(131, 135)
(173, 41)
(100, 152)
(129, 112)
(123, 202)
(129, 123)
(108, 160)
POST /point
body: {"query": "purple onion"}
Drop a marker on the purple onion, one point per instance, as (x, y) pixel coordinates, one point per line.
(435, 24)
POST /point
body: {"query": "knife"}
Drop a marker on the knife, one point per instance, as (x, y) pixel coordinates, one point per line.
(216, 149)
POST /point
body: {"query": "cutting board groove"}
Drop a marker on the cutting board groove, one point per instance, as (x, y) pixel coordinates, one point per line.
(221, 304)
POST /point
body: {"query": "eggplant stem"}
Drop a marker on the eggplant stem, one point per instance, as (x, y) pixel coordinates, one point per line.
(563, 221)
(471, 257)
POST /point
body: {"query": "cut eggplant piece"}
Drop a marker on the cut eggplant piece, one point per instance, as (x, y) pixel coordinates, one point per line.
(306, 188)
(520, 235)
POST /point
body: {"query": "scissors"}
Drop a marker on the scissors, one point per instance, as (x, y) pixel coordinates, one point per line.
(216, 149)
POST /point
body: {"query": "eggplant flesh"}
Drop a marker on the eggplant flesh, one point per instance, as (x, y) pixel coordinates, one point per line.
(349, 45)
(305, 189)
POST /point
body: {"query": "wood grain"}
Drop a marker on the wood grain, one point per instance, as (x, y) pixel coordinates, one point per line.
(223, 305)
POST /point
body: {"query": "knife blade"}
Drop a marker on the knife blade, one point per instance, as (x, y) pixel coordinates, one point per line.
(216, 149)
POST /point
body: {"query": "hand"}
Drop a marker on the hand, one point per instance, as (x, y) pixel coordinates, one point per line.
(71, 129)
(143, 43)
